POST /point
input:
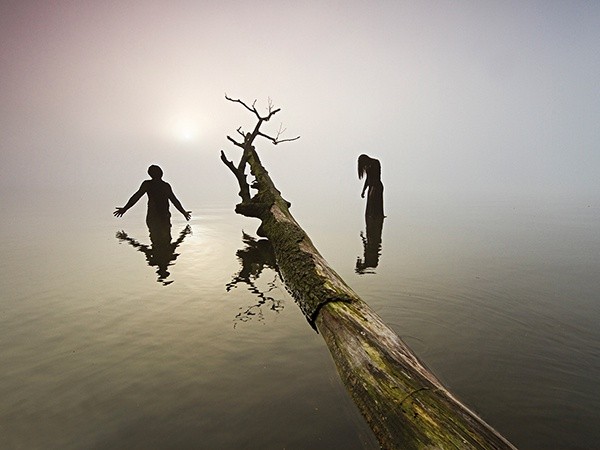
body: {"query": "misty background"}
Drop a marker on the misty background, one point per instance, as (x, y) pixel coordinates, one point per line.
(456, 99)
(485, 118)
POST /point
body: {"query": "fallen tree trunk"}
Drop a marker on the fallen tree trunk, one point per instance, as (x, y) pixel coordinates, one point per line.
(406, 406)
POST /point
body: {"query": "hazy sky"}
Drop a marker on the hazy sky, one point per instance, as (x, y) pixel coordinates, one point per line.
(452, 96)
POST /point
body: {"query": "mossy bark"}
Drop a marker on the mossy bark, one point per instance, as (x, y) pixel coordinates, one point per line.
(406, 406)
(305, 272)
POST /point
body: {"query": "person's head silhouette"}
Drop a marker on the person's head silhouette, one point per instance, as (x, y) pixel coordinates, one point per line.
(155, 172)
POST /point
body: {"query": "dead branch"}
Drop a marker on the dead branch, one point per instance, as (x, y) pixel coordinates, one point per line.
(405, 404)
(275, 140)
(247, 145)
(270, 111)
(240, 175)
(252, 110)
(227, 162)
(234, 142)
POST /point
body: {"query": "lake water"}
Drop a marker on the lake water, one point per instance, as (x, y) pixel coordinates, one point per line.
(501, 299)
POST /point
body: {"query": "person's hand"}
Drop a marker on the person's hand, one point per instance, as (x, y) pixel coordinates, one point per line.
(187, 215)
(119, 212)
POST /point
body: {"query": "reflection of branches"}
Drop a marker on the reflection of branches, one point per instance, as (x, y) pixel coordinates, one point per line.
(256, 309)
(254, 257)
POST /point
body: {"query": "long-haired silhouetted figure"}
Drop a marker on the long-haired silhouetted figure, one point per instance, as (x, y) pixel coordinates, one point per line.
(372, 169)
(159, 194)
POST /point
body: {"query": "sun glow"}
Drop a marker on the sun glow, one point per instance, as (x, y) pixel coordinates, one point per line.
(184, 129)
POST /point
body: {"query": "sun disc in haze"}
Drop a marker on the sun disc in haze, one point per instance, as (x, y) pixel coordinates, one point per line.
(183, 129)
(186, 132)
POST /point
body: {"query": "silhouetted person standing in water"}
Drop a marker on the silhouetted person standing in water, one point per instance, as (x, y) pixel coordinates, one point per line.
(158, 218)
(372, 169)
(159, 194)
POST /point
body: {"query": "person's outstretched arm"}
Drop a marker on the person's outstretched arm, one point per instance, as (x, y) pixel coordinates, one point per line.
(362, 194)
(132, 201)
(177, 204)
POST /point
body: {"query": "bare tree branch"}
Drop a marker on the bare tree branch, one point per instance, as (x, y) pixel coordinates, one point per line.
(234, 142)
(279, 141)
(228, 163)
(280, 132)
(276, 140)
(252, 110)
(249, 137)
(270, 113)
(247, 145)
(240, 175)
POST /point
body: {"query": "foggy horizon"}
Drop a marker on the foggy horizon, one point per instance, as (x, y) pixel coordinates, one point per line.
(453, 99)
(157, 329)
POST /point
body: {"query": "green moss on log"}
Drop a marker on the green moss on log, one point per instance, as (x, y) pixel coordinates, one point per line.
(403, 402)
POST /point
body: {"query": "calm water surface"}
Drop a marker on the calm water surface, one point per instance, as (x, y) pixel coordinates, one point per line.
(501, 299)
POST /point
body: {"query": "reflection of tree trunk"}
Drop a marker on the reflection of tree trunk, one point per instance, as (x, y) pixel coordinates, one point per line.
(371, 244)
(254, 257)
(406, 406)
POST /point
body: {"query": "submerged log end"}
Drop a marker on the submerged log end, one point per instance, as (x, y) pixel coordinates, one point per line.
(403, 402)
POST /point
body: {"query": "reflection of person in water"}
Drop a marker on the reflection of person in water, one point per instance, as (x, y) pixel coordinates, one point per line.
(161, 252)
(159, 194)
(158, 218)
(372, 245)
(372, 169)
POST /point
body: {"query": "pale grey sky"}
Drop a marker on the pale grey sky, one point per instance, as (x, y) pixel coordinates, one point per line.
(454, 97)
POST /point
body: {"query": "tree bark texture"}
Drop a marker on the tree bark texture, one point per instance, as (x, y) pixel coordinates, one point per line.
(406, 406)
